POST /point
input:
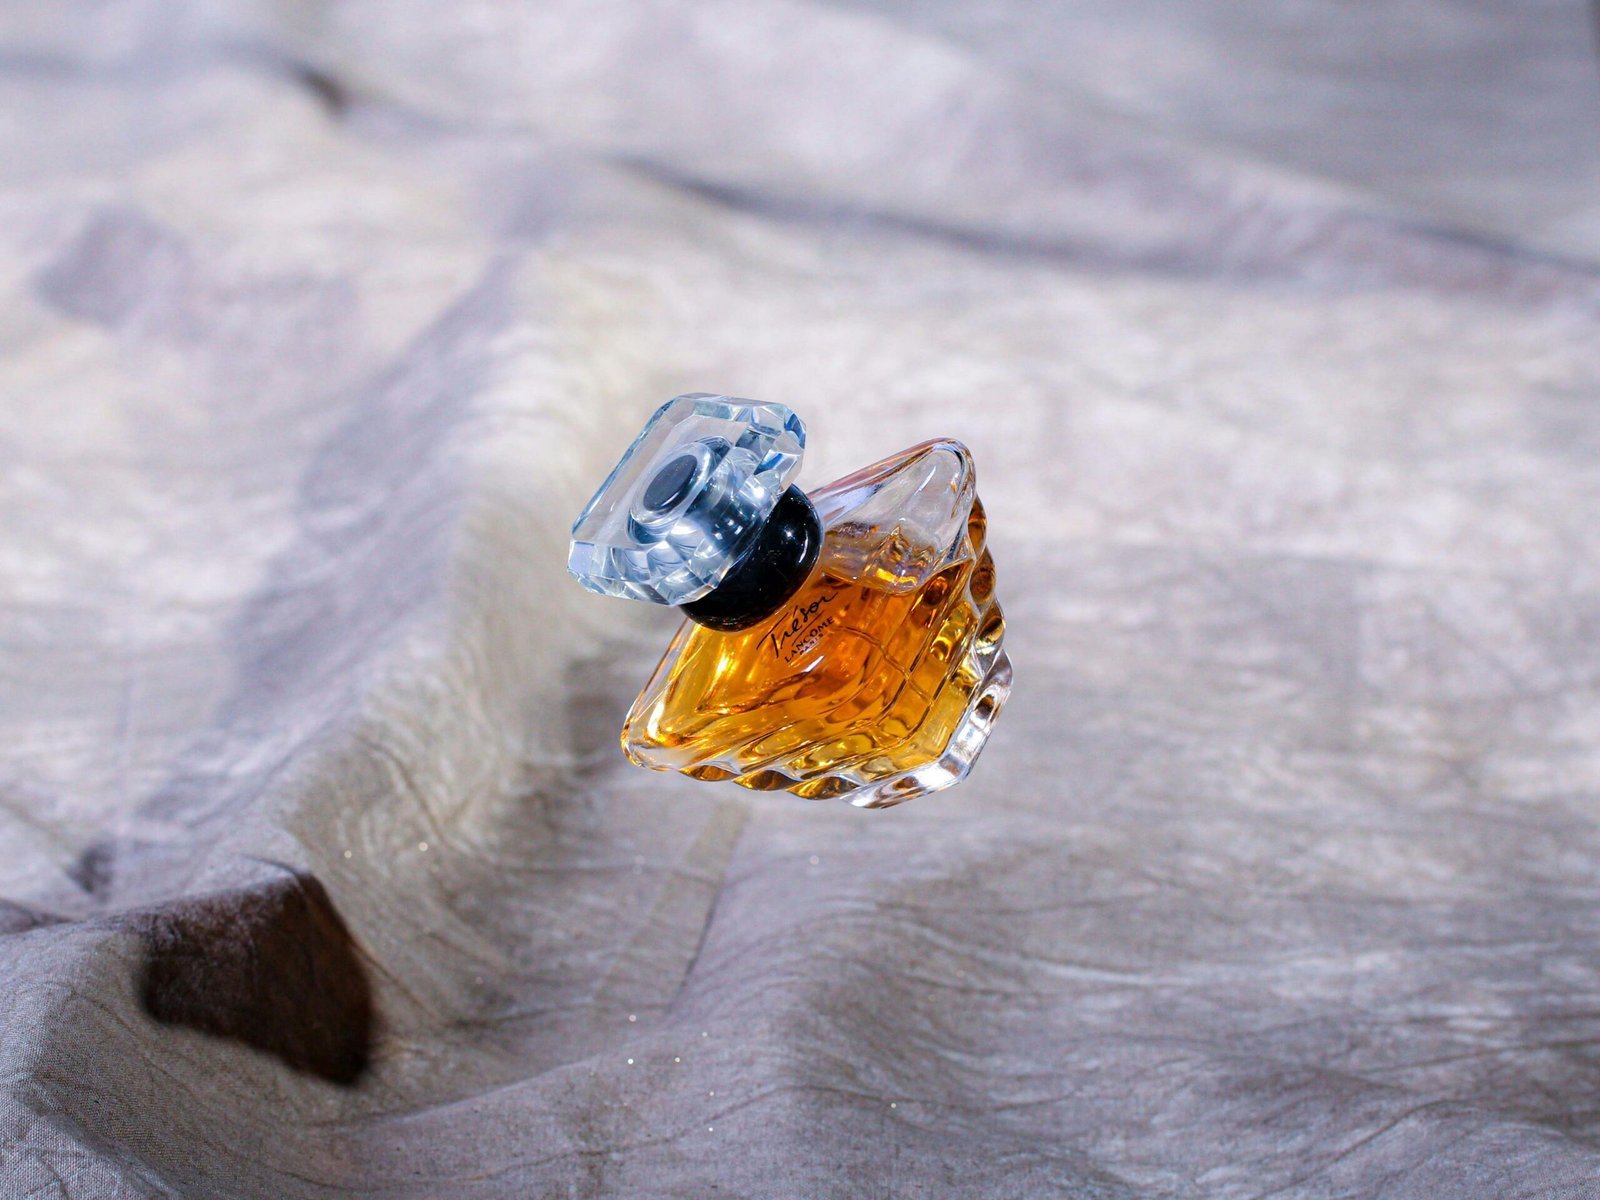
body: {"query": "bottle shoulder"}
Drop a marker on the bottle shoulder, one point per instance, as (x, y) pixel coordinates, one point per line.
(898, 523)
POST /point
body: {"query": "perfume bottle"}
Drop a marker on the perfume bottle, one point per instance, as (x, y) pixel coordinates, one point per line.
(843, 644)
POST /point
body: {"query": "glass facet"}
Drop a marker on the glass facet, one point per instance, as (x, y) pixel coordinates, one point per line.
(878, 681)
(687, 499)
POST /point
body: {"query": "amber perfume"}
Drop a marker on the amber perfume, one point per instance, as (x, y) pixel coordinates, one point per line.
(845, 643)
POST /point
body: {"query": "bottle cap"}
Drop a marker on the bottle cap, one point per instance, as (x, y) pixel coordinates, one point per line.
(689, 499)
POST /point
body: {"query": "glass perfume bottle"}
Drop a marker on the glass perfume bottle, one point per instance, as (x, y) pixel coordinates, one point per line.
(843, 644)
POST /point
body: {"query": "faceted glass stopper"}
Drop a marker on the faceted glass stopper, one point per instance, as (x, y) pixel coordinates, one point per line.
(687, 500)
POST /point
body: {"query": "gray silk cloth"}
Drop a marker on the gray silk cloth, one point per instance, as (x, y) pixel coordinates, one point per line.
(1273, 329)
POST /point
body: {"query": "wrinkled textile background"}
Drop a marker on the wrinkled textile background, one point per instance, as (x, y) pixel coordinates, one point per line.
(1273, 329)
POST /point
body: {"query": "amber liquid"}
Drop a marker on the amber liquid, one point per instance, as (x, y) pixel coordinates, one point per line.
(850, 685)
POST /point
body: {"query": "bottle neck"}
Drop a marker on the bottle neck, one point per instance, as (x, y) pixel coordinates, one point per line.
(773, 569)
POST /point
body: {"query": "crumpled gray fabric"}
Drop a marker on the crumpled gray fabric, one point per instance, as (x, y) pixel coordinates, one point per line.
(1273, 330)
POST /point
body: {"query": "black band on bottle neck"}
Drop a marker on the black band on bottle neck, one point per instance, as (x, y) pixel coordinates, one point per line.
(771, 571)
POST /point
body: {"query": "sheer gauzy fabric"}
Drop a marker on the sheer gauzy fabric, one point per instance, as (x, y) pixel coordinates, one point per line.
(1273, 334)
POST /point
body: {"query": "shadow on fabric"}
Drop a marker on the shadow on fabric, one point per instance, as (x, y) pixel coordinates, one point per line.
(272, 967)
